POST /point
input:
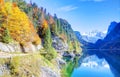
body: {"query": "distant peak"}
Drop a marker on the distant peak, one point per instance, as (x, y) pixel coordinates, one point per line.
(93, 33)
(111, 26)
(113, 22)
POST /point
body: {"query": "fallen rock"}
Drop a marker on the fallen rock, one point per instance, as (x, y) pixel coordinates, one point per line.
(47, 72)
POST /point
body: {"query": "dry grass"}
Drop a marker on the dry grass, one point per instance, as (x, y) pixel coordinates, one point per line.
(27, 66)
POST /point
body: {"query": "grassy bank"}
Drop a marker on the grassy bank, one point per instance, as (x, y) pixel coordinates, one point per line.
(26, 66)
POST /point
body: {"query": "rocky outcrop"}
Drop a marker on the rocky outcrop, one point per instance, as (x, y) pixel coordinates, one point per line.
(59, 45)
(31, 47)
(3, 70)
(13, 47)
(60, 63)
(47, 72)
(85, 44)
(16, 47)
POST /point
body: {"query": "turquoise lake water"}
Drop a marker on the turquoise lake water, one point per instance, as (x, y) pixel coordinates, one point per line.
(92, 66)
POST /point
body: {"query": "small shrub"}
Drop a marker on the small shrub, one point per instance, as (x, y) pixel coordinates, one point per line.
(14, 66)
(51, 54)
(6, 38)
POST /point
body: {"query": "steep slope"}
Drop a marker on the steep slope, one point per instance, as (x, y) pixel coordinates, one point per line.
(111, 26)
(79, 37)
(85, 44)
(27, 28)
(111, 41)
(115, 32)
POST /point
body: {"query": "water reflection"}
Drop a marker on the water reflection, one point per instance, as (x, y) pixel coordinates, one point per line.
(92, 66)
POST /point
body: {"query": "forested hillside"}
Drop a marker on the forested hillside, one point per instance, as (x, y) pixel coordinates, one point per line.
(24, 27)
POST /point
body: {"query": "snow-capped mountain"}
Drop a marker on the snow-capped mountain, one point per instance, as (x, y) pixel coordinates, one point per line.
(93, 36)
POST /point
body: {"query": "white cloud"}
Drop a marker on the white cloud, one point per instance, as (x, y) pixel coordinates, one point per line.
(67, 8)
(92, 0)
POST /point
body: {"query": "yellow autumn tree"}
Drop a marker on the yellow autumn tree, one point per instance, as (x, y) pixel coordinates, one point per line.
(44, 26)
(18, 24)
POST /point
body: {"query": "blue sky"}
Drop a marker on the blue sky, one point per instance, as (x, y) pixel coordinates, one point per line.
(84, 15)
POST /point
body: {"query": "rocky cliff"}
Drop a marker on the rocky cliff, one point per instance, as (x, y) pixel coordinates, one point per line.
(111, 41)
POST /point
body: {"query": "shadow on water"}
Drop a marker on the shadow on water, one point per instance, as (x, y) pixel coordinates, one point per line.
(111, 56)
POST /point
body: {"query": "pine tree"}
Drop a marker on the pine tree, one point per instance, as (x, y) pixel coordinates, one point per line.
(51, 53)
(47, 39)
(58, 26)
(55, 27)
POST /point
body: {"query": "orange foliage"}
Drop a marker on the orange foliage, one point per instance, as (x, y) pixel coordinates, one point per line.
(19, 25)
(45, 24)
(1, 1)
(1, 31)
(14, 4)
(36, 39)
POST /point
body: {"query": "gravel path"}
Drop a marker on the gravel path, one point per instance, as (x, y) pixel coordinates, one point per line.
(9, 55)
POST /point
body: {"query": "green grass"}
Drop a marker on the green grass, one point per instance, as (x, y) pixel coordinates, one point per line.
(26, 66)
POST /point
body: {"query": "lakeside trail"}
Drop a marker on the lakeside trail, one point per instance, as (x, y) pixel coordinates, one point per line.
(10, 55)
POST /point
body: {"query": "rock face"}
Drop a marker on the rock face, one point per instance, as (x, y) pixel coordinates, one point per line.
(79, 37)
(47, 72)
(112, 26)
(10, 47)
(59, 45)
(114, 33)
(85, 44)
(15, 47)
(31, 48)
(3, 70)
(60, 63)
(111, 41)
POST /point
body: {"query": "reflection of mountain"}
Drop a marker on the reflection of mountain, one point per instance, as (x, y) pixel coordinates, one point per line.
(109, 47)
(93, 36)
(92, 66)
(94, 62)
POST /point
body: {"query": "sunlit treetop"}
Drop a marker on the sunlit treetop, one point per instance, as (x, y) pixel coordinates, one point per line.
(20, 27)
